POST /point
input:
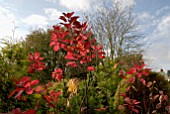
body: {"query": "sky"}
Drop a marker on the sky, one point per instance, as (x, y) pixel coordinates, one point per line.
(152, 16)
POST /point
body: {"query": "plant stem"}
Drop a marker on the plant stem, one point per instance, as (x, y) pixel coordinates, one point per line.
(87, 95)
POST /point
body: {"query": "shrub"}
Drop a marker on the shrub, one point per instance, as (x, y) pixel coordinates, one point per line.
(145, 92)
(78, 49)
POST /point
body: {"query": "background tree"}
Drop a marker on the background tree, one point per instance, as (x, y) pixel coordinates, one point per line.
(38, 41)
(15, 54)
(116, 29)
(13, 65)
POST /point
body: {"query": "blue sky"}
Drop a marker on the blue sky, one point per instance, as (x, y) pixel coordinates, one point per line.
(153, 17)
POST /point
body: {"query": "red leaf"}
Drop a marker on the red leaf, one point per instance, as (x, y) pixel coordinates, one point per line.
(158, 106)
(123, 95)
(27, 85)
(156, 96)
(131, 71)
(143, 81)
(67, 25)
(57, 74)
(73, 64)
(82, 53)
(161, 92)
(154, 111)
(68, 15)
(64, 14)
(29, 91)
(166, 97)
(138, 67)
(36, 55)
(25, 79)
(63, 18)
(149, 84)
(90, 68)
(31, 111)
(135, 102)
(56, 47)
(127, 99)
(12, 93)
(128, 88)
(41, 68)
(87, 45)
(83, 61)
(132, 79)
(73, 19)
(39, 88)
(70, 56)
(52, 43)
(20, 90)
(138, 74)
(102, 53)
(146, 71)
(84, 25)
(57, 28)
(34, 82)
(16, 111)
(122, 73)
(135, 110)
(161, 98)
(100, 109)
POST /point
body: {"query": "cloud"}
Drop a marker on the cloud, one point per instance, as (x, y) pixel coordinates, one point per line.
(125, 3)
(52, 13)
(76, 5)
(159, 51)
(164, 27)
(6, 24)
(162, 10)
(144, 16)
(3, 10)
(9, 26)
(35, 20)
(146, 21)
(81, 5)
(53, 1)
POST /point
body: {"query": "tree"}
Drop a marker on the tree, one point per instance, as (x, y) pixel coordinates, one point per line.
(16, 54)
(38, 41)
(13, 65)
(116, 29)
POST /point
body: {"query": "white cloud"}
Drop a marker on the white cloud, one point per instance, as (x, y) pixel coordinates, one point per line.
(146, 21)
(53, 1)
(162, 10)
(7, 22)
(159, 52)
(3, 10)
(125, 3)
(80, 5)
(35, 20)
(144, 16)
(52, 13)
(77, 5)
(163, 28)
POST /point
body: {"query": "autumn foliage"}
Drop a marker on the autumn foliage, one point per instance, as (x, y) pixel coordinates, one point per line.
(80, 52)
(80, 49)
(77, 41)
